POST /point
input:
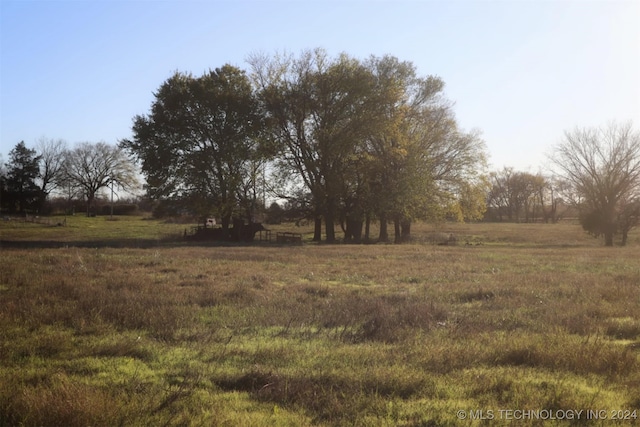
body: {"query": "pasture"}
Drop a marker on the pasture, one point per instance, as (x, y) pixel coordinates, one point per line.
(107, 323)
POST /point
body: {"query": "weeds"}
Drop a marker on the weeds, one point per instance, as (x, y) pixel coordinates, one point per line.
(322, 335)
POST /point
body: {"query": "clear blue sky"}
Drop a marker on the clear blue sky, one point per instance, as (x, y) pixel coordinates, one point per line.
(520, 71)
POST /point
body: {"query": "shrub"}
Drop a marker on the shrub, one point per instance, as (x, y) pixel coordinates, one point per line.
(622, 329)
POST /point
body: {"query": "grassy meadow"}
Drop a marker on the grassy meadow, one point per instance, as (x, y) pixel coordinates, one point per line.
(110, 323)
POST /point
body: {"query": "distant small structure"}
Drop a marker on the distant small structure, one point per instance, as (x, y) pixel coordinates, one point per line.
(287, 237)
(240, 232)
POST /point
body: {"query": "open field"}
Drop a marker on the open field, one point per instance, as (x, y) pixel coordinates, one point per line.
(528, 317)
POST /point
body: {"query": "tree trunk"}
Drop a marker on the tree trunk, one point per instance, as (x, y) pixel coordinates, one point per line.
(608, 238)
(89, 204)
(329, 220)
(396, 231)
(346, 229)
(354, 227)
(624, 237)
(329, 227)
(317, 228)
(225, 220)
(609, 230)
(384, 233)
(405, 230)
(367, 227)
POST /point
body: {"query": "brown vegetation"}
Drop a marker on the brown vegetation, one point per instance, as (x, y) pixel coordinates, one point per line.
(537, 317)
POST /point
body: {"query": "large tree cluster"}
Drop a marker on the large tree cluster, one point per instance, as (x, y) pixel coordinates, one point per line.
(354, 141)
(518, 196)
(596, 179)
(32, 174)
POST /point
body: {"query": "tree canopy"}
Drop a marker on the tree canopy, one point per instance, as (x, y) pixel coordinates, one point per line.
(90, 167)
(345, 142)
(21, 192)
(318, 110)
(366, 139)
(31, 175)
(602, 166)
(350, 140)
(52, 155)
(200, 144)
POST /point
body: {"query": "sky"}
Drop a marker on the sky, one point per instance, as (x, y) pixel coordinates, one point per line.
(520, 72)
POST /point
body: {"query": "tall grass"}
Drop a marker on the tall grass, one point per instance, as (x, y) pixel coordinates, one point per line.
(542, 318)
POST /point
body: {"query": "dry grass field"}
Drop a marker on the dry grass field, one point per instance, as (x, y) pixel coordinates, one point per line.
(516, 324)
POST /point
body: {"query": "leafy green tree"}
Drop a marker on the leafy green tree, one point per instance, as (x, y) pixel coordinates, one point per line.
(22, 192)
(470, 204)
(366, 138)
(602, 165)
(356, 139)
(421, 161)
(318, 109)
(275, 214)
(451, 159)
(384, 156)
(91, 167)
(201, 143)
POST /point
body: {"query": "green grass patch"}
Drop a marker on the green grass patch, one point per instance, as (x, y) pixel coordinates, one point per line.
(327, 335)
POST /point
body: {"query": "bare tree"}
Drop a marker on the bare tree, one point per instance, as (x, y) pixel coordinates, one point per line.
(603, 167)
(91, 167)
(551, 198)
(516, 195)
(51, 164)
(628, 217)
